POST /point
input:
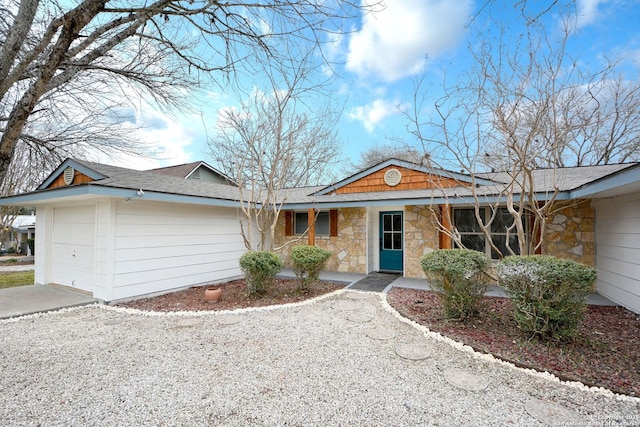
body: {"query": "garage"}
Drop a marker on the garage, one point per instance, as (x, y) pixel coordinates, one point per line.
(73, 247)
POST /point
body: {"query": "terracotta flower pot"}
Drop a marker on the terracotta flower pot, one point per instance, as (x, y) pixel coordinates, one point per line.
(212, 294)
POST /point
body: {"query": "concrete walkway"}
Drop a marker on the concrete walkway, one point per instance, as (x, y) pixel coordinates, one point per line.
(405, 282)
(23, 300)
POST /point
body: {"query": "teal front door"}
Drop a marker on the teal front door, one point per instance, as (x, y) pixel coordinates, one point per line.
(391, 241)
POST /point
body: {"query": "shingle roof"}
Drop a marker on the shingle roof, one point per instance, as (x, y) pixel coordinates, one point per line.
(179, 171)
(118, 177)
(564, 178)
(177, 189)
(545, 180)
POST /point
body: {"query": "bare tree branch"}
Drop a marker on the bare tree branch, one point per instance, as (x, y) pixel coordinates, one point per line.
(159, 50)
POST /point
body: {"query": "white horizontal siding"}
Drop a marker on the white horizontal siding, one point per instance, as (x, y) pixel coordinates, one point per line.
(159, 247)
(618, 250)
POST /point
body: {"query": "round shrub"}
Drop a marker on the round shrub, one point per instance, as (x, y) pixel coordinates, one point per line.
(549, 294)
(458, 277)
(308, 262)
(259, 268)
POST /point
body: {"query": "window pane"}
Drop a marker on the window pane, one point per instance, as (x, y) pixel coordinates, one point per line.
(301, 222)
(322, 223)
(502, 221)
(397, 222)
(397, 241)
(386, 222)
(465, 220)
(500, 242)
(387, 241)
(474, 242)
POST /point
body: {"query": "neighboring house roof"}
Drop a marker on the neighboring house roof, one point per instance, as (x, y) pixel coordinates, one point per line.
(179, 171)
(23, 221)
(112, 181)
(187, 170)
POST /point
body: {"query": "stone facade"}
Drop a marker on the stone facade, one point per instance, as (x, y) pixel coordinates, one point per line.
(349, 247)
(571, 233)
(420, 237)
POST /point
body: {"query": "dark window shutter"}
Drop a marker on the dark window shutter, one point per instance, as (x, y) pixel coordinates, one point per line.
(445, 221)
(333, 223)
(288, 223)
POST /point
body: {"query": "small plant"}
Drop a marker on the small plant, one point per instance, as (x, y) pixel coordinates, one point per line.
(259, 268)
(308, 262)
(458, 277)
(549, 294)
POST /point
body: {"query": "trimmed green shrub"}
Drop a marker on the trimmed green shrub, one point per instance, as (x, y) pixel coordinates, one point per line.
(458, 277)
(308, 262)
(549, 294)
(259, 268)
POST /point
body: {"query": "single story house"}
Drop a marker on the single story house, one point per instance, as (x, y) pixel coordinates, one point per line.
(17, 231)
(119, 233)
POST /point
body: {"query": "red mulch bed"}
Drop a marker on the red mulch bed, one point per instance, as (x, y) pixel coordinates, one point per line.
(234, 295)
(604, 353)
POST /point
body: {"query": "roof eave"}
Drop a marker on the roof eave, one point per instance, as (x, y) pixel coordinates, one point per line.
(617, 180)
(436, 200)
(57, 195)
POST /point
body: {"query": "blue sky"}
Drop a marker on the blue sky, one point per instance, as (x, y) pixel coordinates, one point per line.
(386, 52)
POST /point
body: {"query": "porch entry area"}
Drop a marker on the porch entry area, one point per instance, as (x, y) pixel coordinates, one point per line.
(391, 241)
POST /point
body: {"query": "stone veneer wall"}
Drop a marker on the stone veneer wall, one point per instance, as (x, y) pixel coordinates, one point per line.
(571, 233)
(349, 247)
(421, 237)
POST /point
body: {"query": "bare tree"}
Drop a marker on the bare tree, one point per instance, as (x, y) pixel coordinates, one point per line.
(27, 170)
(380, 152)
(281, 137)
(526, 105)
(99, 53)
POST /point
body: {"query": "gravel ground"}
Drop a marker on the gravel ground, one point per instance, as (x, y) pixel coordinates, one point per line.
(343, 359)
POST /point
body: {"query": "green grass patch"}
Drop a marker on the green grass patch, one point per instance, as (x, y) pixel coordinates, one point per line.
(16, 278)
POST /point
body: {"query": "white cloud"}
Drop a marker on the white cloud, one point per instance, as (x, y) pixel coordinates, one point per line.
(167, 141)
(587, 12)
(394, 41)
(373, 113)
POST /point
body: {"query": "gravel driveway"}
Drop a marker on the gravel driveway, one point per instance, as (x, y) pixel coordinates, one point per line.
(344, 359)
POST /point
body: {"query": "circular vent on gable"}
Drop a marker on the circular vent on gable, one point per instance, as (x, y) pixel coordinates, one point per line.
(392, 177)
(69, 173)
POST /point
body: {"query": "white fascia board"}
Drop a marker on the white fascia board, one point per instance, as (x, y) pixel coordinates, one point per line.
(58, 194)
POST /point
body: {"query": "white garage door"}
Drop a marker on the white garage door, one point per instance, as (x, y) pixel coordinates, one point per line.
(73, 247)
